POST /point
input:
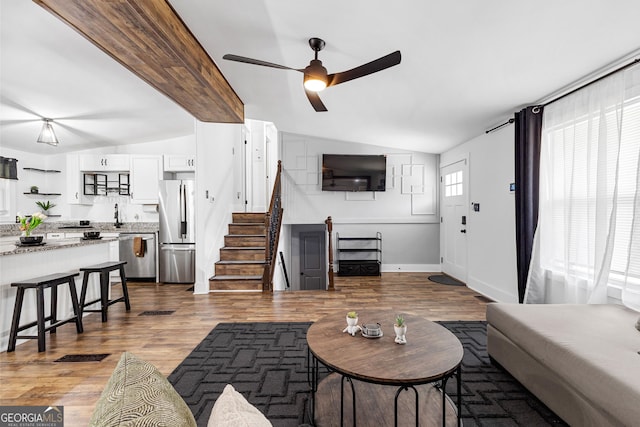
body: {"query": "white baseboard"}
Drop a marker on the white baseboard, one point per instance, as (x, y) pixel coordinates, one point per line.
(411, 268)
(492, 292)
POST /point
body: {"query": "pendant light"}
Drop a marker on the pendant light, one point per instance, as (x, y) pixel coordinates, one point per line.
(47, 136)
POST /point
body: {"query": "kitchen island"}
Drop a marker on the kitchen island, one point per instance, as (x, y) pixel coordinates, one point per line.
(9, 246)
(55, 256)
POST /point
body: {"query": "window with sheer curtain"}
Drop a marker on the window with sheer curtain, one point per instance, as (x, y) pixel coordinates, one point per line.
(587, 243)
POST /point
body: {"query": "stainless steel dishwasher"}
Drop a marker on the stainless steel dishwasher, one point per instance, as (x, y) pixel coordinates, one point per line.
(143, 265)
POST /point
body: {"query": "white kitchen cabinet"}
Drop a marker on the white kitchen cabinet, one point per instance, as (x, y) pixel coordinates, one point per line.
(104, 162)
(114, 255)
(146, 172)
(179, 163)
(74, 193)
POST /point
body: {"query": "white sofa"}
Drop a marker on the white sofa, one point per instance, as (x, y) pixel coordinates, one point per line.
(582, 361)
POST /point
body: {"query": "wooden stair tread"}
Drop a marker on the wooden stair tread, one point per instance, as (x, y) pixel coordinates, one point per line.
(242, 258)
(243, 248)
(247, 217)
(240, 261)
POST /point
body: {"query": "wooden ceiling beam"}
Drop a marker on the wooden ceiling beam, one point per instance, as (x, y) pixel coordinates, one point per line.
(150, 39)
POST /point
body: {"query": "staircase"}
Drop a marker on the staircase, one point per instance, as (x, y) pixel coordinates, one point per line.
(242, 258)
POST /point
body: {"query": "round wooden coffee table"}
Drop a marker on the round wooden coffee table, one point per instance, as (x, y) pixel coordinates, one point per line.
(369, 366)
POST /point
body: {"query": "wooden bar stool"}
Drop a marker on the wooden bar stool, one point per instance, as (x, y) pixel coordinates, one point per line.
(40, 284)
(104, 269)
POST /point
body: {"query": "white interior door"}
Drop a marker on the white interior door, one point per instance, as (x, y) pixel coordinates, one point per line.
(455, 212)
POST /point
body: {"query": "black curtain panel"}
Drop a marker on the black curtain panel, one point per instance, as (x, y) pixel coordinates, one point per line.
(527, 152)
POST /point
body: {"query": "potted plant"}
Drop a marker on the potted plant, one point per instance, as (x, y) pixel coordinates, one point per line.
(45, 206)
(352, 323)
(34, 189)
(400, 328)
(27, 225)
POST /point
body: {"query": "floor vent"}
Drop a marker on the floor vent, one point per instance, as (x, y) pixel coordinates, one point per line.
(83, 357)
(157, 313)
(483, 298)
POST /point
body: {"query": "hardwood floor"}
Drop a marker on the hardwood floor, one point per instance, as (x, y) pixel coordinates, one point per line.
(32, 378)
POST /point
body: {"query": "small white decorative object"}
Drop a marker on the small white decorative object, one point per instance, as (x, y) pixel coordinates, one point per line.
(401, 332)
(352, 323)
(400, 328)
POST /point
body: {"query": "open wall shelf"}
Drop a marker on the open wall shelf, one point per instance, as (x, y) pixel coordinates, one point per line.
(42, 170)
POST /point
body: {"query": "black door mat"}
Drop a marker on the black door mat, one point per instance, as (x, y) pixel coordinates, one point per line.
(157, 313)
(443, 279)
(83, 357)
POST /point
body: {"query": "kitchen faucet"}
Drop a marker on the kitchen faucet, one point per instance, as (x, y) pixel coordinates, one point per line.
(117, 224)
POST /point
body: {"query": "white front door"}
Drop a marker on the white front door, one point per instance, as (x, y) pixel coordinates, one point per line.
(455, 211)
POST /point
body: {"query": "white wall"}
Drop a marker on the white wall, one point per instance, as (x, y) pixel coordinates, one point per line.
(179, 145)
(491, 231)
(406, 213)
(257, 173)
(216, 156)
(46, 182)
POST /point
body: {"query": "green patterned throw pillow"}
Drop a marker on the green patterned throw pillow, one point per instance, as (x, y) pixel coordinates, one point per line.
(137, 394)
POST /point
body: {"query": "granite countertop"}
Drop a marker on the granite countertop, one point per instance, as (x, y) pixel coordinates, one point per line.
(71, 227)
(8, 244)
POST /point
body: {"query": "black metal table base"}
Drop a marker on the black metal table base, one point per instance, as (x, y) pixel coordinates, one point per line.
(313, 366)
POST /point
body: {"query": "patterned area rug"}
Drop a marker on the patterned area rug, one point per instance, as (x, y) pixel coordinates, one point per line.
(266, 362)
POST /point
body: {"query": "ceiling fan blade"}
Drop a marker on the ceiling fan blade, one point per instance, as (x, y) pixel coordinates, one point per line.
(366, 69)
(315, 101)
(237, 58)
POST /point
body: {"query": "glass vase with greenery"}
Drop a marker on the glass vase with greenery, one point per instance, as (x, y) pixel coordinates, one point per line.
(29, 223)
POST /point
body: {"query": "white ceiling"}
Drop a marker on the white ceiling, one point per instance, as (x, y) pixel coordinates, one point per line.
(466, 66)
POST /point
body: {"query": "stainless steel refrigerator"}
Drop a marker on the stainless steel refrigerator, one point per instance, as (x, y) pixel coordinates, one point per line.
(177, 241)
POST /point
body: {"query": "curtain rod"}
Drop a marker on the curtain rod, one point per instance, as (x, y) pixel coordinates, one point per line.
(511, 120)
(610, 73)
(623, 67)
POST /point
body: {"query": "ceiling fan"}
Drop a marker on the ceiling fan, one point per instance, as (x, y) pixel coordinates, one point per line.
(315, 75)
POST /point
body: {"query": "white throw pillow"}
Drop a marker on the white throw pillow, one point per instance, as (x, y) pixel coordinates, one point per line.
(232, 410)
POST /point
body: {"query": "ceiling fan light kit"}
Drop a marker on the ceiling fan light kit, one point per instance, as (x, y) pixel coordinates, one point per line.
(47, 135)
(316, 78)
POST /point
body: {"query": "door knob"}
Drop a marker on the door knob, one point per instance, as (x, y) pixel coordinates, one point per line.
(463, 231)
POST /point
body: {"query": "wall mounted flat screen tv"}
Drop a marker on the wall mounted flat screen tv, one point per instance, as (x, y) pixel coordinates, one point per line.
(353, 172)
